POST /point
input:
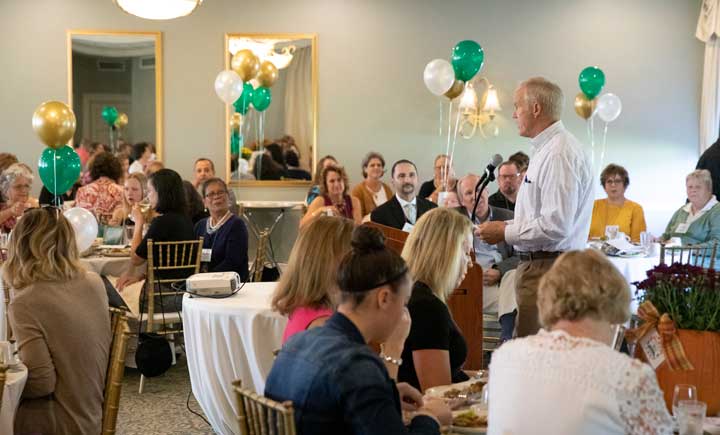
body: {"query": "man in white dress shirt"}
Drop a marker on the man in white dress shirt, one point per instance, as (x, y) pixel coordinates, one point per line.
(554, 204)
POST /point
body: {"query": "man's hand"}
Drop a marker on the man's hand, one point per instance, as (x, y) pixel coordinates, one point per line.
(491, 276)
(491, 232)
(410, 398)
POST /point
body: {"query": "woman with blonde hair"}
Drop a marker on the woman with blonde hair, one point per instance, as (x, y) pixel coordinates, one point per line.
(438, 255)
(334, 199)
(134, 191)
(306, 290)
(567, 379)
(59, 316)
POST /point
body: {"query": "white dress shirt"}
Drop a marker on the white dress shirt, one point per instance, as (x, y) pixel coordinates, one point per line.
(557, 384)
(409, 208)
(555, 201)
(136, 167)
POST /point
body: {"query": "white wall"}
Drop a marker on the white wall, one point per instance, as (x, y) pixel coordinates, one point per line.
(372, 53)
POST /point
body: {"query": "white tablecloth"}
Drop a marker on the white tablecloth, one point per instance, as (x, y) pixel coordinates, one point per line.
(634, 269)
(14, 385)
(113, 266)
(230, 339)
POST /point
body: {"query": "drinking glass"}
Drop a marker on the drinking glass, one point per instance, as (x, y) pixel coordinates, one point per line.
(4, 238)
(611, 231)
(691, 416)
(6, 353)
(144, 205)
(683, 392)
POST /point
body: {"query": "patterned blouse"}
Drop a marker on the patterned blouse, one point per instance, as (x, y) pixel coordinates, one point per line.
(101, 197)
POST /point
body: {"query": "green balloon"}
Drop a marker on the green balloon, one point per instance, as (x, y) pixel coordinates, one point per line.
(467, 59)
(110, 114)
(235, 142)
(59, 169)
(591, 80)
(242, 104)
(262, 98)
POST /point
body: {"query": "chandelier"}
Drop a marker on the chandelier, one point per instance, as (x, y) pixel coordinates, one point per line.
(266, 50)
(479, 114)
(158, 9)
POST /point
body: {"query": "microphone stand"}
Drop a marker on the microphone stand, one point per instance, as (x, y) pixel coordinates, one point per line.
(479, 187)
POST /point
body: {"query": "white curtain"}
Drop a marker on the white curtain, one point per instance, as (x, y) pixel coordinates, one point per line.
(298, 103)
(708, 29)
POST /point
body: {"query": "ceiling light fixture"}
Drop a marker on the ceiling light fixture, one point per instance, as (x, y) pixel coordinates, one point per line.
(158, 9)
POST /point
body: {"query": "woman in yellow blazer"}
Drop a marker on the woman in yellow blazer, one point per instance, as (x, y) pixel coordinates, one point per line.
(372, 192)
(616, 209)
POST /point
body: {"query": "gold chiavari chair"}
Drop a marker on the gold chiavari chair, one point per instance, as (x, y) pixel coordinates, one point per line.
(3, 376)
(690, 254)
(163, 257)
(116, 369)
(259, 415)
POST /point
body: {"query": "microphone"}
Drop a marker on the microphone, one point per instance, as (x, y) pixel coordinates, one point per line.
(490, 168)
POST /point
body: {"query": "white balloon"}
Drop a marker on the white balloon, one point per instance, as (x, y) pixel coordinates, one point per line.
(85, 226)
(228, 86)
(439, 76)
(608, 107)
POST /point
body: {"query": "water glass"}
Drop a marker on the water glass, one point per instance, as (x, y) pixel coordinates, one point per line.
(683, 392)
(691, 416)
(611, 231)
(4, 239)
(6, 353)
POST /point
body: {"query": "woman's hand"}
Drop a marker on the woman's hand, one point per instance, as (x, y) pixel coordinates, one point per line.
(19, 208)
(411, 399)
(396, 342)
(126, 280)
(137, 216)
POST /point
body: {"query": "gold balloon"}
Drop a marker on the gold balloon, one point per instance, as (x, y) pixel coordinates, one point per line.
(268, 74)
(236, 121)
(583, 106)
(245, 64)
(455, 90)
(54, 123)
(122, 120)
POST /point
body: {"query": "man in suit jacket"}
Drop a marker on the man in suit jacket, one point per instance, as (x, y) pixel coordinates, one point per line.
(496, 260)
(404, 208)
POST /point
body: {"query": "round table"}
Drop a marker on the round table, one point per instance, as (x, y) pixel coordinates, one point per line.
(14, 385)
(103, 265)
(226, 340)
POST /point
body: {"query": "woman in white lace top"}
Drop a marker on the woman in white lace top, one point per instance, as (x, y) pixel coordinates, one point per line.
(567, 379)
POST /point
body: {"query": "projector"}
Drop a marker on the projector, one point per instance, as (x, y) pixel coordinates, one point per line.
(213, 284)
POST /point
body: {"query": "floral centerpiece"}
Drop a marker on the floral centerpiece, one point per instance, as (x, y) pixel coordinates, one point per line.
(682, 303)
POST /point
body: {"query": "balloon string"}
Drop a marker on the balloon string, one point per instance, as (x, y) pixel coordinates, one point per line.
(443, 178)
(592, 141)
(602, 152)
(452, 151)
(55, 185)
(440, 124)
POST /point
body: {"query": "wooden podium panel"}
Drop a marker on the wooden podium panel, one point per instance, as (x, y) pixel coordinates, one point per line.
(465, 303)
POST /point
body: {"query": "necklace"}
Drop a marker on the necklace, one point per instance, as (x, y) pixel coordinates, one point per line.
(210, 228)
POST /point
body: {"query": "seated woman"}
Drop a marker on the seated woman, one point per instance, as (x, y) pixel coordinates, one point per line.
(103, 195)
(314, 191)
(15, 185)
(334, 199)
(307, 291)
(59, 315)
(223, 233)
(616, 209)
(336, 383)
(372, 192)
(698, 221)
(171, 224)
(567, 379)
(438, 255)
(134, 191)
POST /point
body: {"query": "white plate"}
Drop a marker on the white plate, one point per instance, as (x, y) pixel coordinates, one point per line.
(470, 430)
(439, 391)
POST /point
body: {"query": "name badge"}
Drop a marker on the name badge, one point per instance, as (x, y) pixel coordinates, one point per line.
(652, 347)
(682, 228)
(206, 255)
(407, 227)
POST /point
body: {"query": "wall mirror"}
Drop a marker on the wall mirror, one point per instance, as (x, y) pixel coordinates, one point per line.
(275, 147)
(121, 70)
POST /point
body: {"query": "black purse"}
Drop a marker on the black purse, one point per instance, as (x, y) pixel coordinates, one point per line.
(153, 356)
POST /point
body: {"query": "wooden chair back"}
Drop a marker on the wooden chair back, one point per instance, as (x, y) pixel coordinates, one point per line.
(258, 415)
(116, 369)
(181, 256)
(3, 377)
(465, 303)
(690, 254)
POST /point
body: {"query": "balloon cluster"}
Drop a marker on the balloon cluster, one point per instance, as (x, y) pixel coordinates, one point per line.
(587, 103)
(233, 86)
(448, 78)
(59, 165)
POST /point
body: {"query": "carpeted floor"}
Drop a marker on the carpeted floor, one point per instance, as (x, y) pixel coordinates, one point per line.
(161, 409)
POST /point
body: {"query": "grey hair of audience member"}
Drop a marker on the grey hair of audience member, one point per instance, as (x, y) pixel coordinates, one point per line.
(458, 186)
(9, 175)
(546, 94)
(703, 176)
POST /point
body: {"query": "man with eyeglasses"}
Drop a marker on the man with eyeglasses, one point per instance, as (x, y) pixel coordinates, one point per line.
(509, 181)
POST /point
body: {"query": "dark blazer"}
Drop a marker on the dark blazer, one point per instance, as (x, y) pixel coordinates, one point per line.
(391, 213)
(510, 260)
(710, 160)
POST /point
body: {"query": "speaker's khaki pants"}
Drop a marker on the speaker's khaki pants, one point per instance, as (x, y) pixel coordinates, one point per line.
(527, 281)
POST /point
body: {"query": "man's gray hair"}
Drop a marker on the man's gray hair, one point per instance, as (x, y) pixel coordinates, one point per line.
(458, 186)
(703, 176)
(8, 176)
(548, 95)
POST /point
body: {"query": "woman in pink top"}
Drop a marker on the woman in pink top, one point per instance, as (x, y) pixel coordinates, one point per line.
(306, 290)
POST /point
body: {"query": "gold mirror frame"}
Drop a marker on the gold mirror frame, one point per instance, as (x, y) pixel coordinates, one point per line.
(158, 75)
(229, 111)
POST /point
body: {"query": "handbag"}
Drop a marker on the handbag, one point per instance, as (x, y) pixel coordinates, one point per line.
(153, 356)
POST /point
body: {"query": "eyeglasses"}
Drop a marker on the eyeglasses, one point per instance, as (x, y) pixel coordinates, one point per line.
(217, 194)
(614, 181)
(509, 177)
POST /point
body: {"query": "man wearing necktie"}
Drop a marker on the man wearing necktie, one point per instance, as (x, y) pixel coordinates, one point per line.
(555, 200)
(404, 209)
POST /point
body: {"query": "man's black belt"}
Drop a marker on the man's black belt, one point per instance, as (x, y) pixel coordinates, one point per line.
(538, 255)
